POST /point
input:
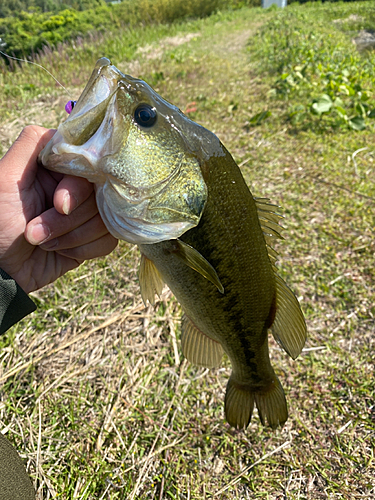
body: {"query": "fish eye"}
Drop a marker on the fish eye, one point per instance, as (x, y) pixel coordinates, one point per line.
(145, 115)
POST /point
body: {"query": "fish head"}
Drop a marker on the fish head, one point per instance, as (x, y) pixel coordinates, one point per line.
(142, 153)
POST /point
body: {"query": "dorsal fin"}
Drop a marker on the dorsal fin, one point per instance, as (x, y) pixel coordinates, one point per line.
(288, 327)
(272, 210)
(269, 218)
(272, 254)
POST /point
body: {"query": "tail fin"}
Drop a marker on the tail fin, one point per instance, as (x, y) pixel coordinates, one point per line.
(271, 404)
(239, 404)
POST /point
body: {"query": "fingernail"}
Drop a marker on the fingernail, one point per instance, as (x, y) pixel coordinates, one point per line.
(69, 204)
(48, 245)
(39, 233)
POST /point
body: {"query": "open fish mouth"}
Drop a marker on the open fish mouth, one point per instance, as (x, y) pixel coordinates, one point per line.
(143, 155)
(86, 135)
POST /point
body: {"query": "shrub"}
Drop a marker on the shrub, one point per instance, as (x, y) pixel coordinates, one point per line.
(318, 69)
(27, 33)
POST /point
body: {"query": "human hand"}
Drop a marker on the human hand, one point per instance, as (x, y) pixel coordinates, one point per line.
(49, 223)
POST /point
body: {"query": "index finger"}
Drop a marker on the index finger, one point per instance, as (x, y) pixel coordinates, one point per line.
(71, 193)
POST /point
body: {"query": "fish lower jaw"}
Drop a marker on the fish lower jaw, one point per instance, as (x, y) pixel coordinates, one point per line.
(136, 230)
(88, 156)
(69, 165)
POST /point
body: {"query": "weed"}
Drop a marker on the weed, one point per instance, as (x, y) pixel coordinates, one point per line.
(320, 71)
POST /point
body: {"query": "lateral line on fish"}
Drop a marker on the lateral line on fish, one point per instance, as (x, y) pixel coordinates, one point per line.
(39, 65)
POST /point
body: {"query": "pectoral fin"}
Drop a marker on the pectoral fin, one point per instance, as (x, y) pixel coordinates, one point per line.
(150, 280)
(196, 261)
(289, 327)
(197, 347)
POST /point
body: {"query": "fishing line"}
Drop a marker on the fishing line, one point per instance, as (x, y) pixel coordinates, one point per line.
(36, 64)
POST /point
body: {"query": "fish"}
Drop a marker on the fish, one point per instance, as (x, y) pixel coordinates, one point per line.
(168, 185)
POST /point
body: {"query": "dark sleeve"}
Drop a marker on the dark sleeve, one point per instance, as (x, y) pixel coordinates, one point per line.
(14, 482)
(15, 304)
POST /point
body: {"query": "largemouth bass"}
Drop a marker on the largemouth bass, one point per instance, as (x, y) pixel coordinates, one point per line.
(168, 185)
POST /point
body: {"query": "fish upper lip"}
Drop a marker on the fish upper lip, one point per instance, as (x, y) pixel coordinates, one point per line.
(91, 148)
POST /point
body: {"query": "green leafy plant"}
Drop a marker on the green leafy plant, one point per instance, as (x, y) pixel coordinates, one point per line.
(259, 118)
(321, 74)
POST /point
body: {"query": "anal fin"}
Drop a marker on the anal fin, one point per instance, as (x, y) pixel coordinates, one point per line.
(197, 347)
(288, 327)
(150, 281)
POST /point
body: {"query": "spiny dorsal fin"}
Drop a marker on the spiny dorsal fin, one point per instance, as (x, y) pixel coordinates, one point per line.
(269, 218)
(273, 255)
(197, 347)
(270, 210)
(289, 327)
(269, 222)
(150, 280)
(196, 261)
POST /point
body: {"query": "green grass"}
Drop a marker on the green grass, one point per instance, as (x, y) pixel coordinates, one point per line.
(96, 394)
(325, 80)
